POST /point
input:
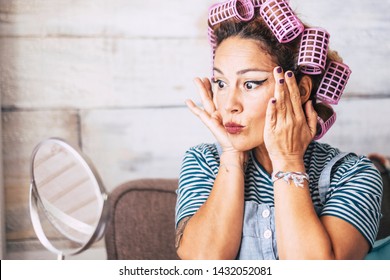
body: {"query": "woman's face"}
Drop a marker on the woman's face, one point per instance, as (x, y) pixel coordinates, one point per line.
(243, 84)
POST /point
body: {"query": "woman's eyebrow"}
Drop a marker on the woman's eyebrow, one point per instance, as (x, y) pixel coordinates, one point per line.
(242, 72)
(217, 70)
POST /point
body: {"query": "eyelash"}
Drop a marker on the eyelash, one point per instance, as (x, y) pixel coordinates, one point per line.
(257, 83)
(216, 82)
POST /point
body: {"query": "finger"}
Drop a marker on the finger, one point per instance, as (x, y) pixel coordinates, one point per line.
(193, 107)
(283, 104)
(207, 102)
(201, 114)
(208, 86)
(270, 115)
(294, 94)
(213, 123)
(311, 116)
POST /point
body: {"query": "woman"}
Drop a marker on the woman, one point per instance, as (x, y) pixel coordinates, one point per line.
(259, 106)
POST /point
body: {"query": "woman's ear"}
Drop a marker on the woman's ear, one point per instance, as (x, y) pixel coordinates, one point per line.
(305, 87)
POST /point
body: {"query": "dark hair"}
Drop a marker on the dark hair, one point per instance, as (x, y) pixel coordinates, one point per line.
(285, 54)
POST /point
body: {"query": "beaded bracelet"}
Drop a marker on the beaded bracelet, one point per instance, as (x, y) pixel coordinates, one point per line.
(297, 177)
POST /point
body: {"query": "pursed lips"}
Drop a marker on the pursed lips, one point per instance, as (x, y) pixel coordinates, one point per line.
(233, 128)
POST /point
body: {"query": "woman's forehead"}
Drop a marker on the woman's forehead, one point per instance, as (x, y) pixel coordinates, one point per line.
(236, 54)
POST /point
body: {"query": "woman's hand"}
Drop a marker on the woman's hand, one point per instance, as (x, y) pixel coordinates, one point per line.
(214, 231)
(288, 129)
(209, 115)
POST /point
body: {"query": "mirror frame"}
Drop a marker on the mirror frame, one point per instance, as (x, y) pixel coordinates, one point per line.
(35, 202)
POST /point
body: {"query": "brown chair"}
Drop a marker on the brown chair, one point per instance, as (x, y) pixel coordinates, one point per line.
(382, 163)
(142, 220)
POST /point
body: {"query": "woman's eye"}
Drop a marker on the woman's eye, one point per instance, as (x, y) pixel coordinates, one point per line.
(253, 84)
(249, 85)
(220, 84)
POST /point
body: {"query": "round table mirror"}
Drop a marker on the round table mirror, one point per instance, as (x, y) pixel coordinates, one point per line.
(67, 198)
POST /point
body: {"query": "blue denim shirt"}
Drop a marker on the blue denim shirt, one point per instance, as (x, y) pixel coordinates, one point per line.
(258, 235)
(258, 240)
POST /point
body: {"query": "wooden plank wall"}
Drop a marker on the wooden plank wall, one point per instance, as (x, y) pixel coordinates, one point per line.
(112, 77)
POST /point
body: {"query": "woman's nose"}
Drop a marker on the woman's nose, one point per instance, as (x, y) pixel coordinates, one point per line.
(233, 103)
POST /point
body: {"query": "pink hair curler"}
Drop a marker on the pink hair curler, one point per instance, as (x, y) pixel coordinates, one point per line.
(239, 9)
(258, 3)
(333, 82)
(324, 126)
(313, 51)
(281, 20)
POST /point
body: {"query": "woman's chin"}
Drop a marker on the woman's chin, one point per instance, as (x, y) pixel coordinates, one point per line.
(242, 147)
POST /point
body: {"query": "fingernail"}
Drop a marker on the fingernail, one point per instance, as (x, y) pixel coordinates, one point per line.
(289, 74)
(281, 81)
(273, 100)
(279, 69)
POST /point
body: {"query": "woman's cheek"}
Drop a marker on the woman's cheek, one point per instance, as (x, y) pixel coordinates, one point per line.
(218, 102)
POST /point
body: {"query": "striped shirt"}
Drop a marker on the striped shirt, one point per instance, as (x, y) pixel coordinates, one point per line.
(354, 194)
